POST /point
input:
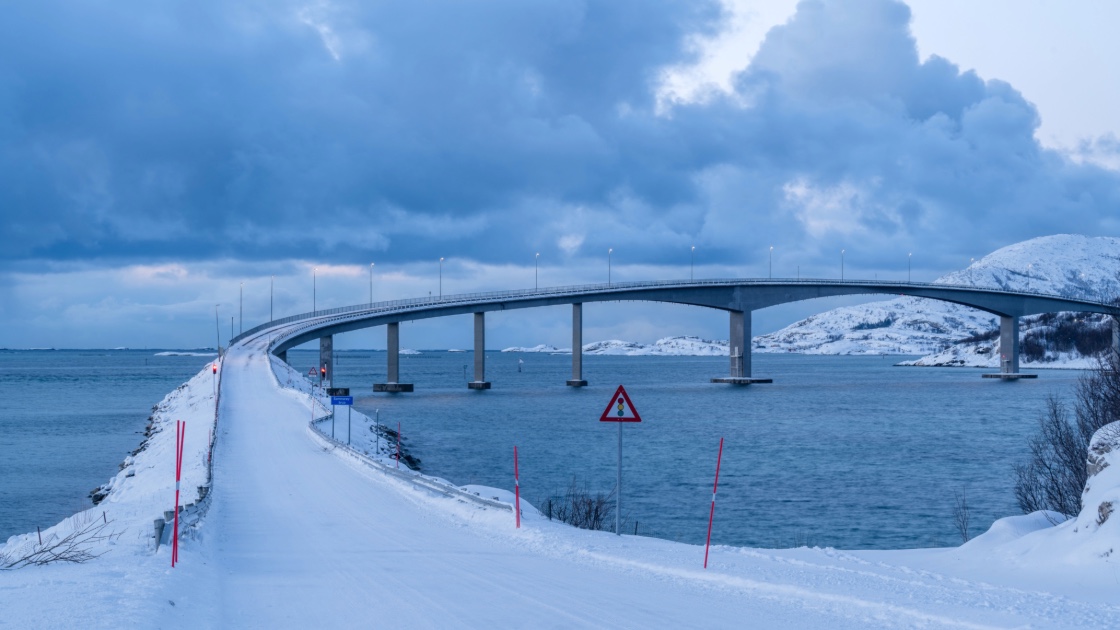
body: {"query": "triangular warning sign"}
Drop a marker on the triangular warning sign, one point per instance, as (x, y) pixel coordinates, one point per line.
(620, 408)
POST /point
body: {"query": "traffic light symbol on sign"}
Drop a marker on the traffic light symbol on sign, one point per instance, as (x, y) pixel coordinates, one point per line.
(620, 409)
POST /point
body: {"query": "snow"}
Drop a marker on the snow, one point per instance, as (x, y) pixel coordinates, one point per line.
(181, 353)
(668, 346)
(540, 348)
(1068, 265)
(301, 534)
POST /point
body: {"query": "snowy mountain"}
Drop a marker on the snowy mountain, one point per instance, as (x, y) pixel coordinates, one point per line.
(1069, 265)
(669, 346)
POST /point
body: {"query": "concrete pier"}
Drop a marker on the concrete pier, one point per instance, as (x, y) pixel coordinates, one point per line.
(740, 351)
(326, 358)
(577, 347)
(1009, 351)
(1116, 334)
(479, 381)
(392, 373)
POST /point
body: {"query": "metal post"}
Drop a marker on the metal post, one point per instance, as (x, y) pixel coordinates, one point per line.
(326, 356)
(371, 283)
(908, 257)
(692, 264)
(771, 271)
(271, 287)
(241, 309)
(618, 485)
(841, 265)
(217, 330)
(609, 251)
(536, 274)
(314, 290)
(441, 277)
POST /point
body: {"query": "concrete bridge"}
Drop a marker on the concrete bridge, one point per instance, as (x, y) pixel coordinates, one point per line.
(739, 297)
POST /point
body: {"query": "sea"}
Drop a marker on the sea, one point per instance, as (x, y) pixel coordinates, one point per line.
(846, 452)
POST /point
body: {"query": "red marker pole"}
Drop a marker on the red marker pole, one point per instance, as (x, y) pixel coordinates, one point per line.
(712, 514)
(180, 436)
(516, 489)
(398, 445)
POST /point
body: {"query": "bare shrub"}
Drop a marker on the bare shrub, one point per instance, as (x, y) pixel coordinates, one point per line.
(579, 507)
(75, 547)
(1054, 476)
(962, 514)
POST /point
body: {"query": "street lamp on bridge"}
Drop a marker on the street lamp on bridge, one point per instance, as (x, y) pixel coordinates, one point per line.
(441, 277)
(841, 265)
(609, 252)
(771, 267)
(536, 267)
(371, 283)
(692, 264)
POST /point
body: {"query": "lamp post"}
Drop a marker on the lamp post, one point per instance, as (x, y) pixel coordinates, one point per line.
(536, 275)
(841, 265)
(441, 277)
(908, 257)
(609, 251)
(314, 289)
(271, 287)
(217, 330)
(692, 264)
(371, 283)
(771, 266)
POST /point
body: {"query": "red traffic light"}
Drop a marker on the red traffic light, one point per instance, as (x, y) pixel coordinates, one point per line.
(214, 367)
(323, 370)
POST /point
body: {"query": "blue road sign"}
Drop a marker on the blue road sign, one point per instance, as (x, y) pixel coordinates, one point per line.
(342, 400)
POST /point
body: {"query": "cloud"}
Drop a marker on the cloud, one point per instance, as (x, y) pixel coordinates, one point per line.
(246, 130)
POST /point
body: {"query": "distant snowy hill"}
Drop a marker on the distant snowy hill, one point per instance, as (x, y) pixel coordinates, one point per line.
(1068, 265)
(669, 346)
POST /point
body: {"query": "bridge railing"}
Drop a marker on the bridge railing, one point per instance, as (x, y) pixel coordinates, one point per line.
(461, 298)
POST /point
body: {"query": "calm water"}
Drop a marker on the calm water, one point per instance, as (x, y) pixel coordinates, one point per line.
(841, 451)
(67, 420)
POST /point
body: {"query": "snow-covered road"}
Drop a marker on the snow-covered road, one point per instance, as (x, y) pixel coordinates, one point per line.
(299, 535)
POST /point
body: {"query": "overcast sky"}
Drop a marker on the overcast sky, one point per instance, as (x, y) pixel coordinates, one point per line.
(155, 157)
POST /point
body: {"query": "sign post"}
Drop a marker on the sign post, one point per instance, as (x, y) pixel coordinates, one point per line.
(341, 396)
(619, 410)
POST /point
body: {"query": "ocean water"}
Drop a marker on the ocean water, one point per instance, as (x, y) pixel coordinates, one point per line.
(849, 452)
(67, 420)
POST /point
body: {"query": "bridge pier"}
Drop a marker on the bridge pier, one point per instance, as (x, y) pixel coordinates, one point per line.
(392, 372)
(577, 347)
(1116, 335)
(740, 350)
(326, 358)
(479, 381)
(1009, 350)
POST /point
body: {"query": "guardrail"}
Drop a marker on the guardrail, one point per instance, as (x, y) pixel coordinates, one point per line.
(410, 476)
(190, 515)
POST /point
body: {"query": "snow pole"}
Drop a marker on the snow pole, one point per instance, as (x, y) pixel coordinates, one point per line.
(516, 490)
(712, 513)
(398, 445)
(180, 436)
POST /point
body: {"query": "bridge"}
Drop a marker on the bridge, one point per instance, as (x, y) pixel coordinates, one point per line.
(738, 297)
